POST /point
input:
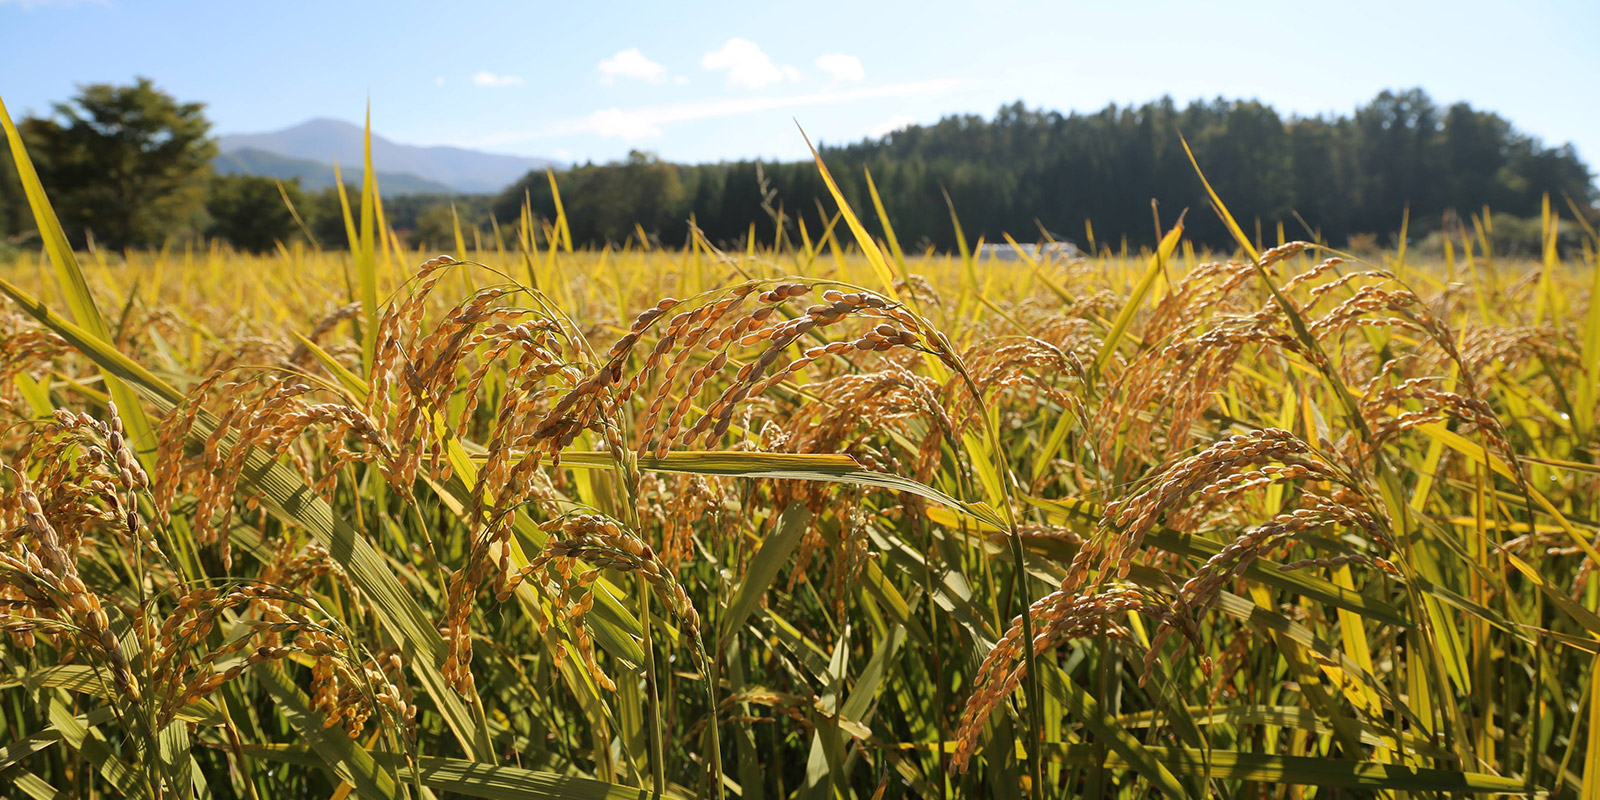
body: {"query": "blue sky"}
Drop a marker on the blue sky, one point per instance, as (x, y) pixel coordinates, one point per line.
(698, 81)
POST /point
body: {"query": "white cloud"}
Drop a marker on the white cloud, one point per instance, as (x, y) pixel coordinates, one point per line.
(631, 63)
(439, 81)
(494, 81)
(681, 80)
(614, 123)
(648, 122)
(890, 125)
(842, 68)
(747, 65)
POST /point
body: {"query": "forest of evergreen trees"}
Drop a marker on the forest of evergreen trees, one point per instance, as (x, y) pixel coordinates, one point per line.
(1338, 178)
(1025, 170)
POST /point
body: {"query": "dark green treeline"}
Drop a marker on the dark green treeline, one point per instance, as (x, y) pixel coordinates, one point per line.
(1025, 170)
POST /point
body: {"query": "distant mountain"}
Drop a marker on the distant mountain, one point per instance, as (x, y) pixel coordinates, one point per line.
(317, 175)
(328, 140)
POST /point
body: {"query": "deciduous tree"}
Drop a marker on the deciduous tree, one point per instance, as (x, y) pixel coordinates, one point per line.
(125, 164)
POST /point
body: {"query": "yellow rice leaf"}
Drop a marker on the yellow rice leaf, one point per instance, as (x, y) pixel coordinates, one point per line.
(869, 248)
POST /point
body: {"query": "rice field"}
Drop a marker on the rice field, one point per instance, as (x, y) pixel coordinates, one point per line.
(815, 519)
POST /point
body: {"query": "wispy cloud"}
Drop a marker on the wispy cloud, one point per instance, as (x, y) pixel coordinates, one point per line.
(842, 68)
(747, 66)
(615, 123)
(890, 125)
(631, 63)
(648, 122)
(493, 81)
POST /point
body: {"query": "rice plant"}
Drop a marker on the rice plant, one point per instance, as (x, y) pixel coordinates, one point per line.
(814, 520)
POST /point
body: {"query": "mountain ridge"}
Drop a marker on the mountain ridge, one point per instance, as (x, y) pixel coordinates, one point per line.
(325, 140)
(315, 175)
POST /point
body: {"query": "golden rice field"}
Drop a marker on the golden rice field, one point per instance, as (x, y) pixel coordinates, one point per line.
(815, 520)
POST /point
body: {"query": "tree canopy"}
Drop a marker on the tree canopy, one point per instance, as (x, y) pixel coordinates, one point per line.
(250, 211)
(130, 166)
(124, 164)
(1027, 169)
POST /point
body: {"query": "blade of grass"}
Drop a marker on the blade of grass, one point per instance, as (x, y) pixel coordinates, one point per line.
(869, 248)
(74, 288)
(288, 498)
(1136, 298)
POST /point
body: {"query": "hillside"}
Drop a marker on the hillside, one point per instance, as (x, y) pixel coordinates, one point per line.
(328, 140)
(317, 175)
